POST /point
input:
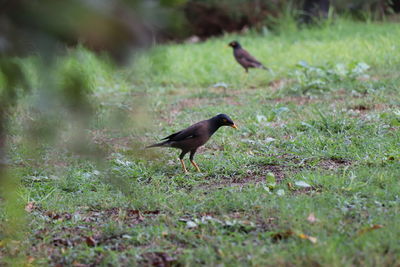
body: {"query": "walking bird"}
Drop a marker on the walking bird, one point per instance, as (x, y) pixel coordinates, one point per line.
(244, 58)
(191, 138)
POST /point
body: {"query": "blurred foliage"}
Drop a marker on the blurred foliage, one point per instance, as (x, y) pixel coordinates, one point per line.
(212, 17)
(55, 89)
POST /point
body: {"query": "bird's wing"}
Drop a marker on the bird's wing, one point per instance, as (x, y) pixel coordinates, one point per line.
(171, 136)
(187, 133)
(249, 59)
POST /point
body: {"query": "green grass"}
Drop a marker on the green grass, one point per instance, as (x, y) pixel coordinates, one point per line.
(332, 122)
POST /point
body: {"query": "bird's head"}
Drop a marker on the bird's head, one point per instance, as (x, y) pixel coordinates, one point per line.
(234, 44)
(224, 120)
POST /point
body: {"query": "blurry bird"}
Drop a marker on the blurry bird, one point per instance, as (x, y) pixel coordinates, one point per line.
(244, 58)
(191, 138)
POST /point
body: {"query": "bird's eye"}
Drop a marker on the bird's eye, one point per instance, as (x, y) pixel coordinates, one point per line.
(224, 120)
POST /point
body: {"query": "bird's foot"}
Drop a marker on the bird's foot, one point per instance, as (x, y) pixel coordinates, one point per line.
(195, 165)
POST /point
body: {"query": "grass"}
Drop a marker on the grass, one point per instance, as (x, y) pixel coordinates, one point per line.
(327, 128)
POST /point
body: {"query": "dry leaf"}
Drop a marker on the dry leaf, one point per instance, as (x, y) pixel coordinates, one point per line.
(30, 260)
(307, 237)
(311, 218)
(90, 241)
(30, 207)
(290, 187)
(282, 235)
(369, 229)
(289, 233)
(161, 259)
(78, 264)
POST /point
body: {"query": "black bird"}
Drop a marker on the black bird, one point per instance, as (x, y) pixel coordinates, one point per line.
(244, 58)
(191, 138)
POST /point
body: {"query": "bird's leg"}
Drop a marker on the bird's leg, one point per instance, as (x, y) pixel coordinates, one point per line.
(182, 162)
(192, 161)
(183, 165)
(195, 165)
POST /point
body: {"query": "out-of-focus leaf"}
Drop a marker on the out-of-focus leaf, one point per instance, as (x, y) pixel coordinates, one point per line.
(269, 140)
(281, 110)
(302, 184)
(360, 68)
(280, 192)
(261, 118)
(270, 179)
(303, 64)
(220, 85)
(191, 224)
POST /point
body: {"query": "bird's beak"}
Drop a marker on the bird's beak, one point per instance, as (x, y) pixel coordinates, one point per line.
(234, 126)
(227, 46)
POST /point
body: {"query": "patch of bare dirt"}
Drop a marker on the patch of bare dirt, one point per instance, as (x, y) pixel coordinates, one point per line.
(279, 84)
(257, 174)
(333, 164)
(84, 228)
(103, 138)
(363, 108)
(305, 190)
(299, 100)
(159, 259)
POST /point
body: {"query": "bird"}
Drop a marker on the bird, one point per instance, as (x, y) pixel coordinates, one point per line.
(244, 58)
(196, 135)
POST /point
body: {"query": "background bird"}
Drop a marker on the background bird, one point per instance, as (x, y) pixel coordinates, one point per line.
(244, 58)
(191, 138)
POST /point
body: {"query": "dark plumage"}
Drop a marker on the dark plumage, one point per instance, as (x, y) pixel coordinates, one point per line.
(191, 138)
(244, 58)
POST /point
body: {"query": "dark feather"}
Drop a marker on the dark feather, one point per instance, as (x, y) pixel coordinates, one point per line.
(244, 58)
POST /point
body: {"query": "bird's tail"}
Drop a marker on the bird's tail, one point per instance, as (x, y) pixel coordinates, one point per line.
(268, 69)
(158, 144)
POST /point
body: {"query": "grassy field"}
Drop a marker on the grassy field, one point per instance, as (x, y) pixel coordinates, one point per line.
(310, 178)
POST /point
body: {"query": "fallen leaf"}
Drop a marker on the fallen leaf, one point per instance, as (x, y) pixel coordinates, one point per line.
(270, 179)
(160, 259)
(52, 215)
(136, 212)
(269, 140)
(302, 184)
(370, 228)
(311, 218)
(261, 118)
(90, 241)
(307, 237)
(282, 235)
(30, 207)
(191, 224)
(290, 186)
(290, 233)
